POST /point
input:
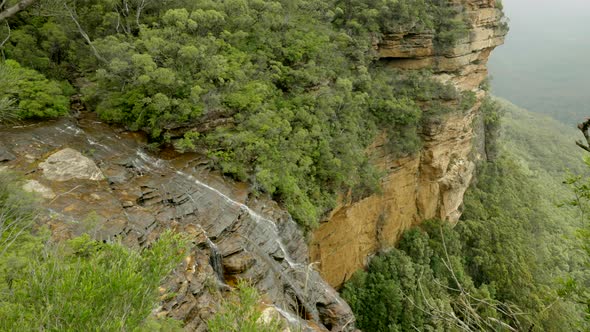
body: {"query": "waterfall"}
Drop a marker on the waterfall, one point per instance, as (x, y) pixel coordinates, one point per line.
(215, 258)
(216, 261)
(266, 223)
(145, 163)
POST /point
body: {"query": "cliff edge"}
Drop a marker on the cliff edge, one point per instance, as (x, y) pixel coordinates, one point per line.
(431, 183)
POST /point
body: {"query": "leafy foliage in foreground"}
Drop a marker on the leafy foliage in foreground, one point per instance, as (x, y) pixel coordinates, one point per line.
(81, 285)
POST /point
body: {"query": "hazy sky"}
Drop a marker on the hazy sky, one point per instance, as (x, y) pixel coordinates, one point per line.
(545, 63)
(547, 16)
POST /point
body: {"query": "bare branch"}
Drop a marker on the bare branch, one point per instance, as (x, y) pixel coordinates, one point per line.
(140, 8)
(465, 314)
(7, 37)
(84, 34)
(583, 127)
(9, 12)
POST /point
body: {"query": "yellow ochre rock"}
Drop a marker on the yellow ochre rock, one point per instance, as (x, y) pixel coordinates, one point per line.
(430, 184)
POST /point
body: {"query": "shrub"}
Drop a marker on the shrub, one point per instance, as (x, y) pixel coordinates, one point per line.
(240, 313)
(25, 93)
(80, 285)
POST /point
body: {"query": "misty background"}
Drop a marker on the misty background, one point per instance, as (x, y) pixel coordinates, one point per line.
(544, 66)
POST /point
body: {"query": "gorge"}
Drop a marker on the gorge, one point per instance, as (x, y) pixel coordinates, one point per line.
(99, 172)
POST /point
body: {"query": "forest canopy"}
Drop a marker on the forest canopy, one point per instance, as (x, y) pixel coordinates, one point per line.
(283, 94)
(515, 260)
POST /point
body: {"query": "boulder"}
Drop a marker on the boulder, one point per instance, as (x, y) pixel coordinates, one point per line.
(69, 164)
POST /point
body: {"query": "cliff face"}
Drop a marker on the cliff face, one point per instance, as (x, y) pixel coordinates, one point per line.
(88, 171)
(430, 184)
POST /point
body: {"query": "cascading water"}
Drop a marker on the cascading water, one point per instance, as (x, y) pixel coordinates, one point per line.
(170, 194)
(215, 258)
(146, 163)
(269, 225)
(292, 319)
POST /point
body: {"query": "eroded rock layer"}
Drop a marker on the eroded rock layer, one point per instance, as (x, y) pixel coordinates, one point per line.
(432, 183)
(99, 181)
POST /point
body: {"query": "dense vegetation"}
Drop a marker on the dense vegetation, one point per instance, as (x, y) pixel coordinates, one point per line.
(284, 94)
(25, 93)
(379, 17)
(513, 260)
(79, 285)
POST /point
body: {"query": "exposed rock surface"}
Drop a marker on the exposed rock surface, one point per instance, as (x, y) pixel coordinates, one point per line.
(36, 187)
(69, 164)
(465, 62)
(128, 194)
(432, 183)
(234, 235)
(5, 155)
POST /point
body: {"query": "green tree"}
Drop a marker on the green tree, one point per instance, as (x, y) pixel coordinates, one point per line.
(25, 93)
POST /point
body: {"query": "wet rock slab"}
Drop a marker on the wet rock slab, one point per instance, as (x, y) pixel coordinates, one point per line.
(103, 182)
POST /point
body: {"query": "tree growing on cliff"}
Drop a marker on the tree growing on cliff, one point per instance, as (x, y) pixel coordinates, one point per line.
(575, 287)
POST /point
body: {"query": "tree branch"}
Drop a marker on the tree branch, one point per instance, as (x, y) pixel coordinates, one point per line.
(84, 34)
(583, 127)
(15, 9)
(7, 36)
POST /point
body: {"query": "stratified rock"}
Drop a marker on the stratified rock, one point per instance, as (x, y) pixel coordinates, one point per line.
(36, 187)
(233, 236)
(69, 164)
(430, 184)
(465, 61)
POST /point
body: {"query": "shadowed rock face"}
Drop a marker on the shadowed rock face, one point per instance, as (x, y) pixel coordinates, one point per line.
(101, 181)
(430, 184)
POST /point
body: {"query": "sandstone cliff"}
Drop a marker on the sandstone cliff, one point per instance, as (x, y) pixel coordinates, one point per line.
(430, 184)
(88, 171)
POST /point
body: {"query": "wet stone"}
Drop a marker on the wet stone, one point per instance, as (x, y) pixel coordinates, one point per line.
(238, 263)
(36, 187)
(6, 155)
(141, 219)
(117, 175)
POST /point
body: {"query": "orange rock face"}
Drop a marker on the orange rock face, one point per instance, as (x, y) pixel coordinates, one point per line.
(430, 184)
